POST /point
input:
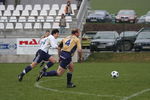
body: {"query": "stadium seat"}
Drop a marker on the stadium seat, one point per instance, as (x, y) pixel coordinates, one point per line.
(3, 19)
(22, 19)
(68, 19)
(31, 19)
(40, 19)
(43, 13)
(67, 25)
(52, 13)
(46, 26)
(74, 6)
(7, 13)
(13, 20)
(1, 13)
(19, 7)
(61, 11)
(19, 26)
(55, 7)
(9, 26)
(28, 26)
(25, 13)
(57, 19)
(37, 7)
(2, 7)
(55, 25)
(50, 19)
(2, 26)
(34, 13)
(16, 13)
(10, 7)
(28, 7)
(46, 7)
(37, 26)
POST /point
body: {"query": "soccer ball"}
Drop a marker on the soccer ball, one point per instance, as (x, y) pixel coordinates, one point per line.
(114, 74)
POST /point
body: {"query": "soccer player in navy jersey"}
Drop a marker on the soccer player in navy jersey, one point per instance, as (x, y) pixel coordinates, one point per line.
(68, 46)
(47, 41)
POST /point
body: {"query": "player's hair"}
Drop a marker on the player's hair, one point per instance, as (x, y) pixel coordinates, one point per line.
(47, 31)
(54, 31)
(75, 31)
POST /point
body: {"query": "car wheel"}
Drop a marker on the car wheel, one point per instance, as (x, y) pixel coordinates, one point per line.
(126, 46)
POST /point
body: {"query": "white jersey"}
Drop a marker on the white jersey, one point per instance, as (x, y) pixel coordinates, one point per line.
(48, 42)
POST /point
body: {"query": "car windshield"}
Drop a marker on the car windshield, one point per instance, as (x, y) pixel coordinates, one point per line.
(126, 13)
(106, 35)
(89, 35)
(128, 33)
(144, 35)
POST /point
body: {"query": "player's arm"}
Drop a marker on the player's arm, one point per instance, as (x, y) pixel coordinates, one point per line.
(79, 50)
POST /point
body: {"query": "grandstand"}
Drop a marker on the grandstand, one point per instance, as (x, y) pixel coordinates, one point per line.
(30, 19)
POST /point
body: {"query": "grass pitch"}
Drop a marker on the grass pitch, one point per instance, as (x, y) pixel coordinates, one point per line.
(93, 82)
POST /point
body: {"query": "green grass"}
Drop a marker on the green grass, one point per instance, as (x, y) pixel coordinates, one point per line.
(113, 6)
(92, 79)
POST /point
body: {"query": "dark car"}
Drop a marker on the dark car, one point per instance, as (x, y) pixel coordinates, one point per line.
(105, 40)
(142, 41)
(86, 39)
(99, 16)
(127, 39)
(126, 16)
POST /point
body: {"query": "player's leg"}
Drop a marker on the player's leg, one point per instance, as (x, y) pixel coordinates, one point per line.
(51, 62)
(69, 75)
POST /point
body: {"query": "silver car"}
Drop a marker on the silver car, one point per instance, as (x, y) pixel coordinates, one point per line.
(145, 18)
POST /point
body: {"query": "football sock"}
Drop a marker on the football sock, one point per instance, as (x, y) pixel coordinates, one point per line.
(48, 65)
(69, 77)
(26, 70)
(51, 73)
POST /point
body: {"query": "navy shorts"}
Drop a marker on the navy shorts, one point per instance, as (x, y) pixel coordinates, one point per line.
(65, 59)
(41, 55)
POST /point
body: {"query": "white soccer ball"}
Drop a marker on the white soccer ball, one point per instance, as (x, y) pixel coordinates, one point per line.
(114, 74)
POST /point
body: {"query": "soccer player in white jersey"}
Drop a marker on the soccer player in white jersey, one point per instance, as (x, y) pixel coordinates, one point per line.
(42, 54)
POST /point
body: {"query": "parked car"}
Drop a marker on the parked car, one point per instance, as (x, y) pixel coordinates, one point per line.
(104, 40)
(127, 39)
(142, 41)
(145, 18)
(99, 16)
(86, 39)
(126, 16)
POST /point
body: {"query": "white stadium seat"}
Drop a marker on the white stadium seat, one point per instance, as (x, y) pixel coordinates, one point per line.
(19, 7)
(57, 19)
(2, 7)
(74, 6)
(67, 25)
(16, 13)
(61, 11)
(37, 26)
(25, 13)
(68, 19)
(34, 13)
(10, 7)
(31, 19)
(52, 13)
(2, 26)
(55, 7)
(22, 19)
(1, 13)
(40, 19)
(43, 13)
(9, 26)
(50, 19)
(3, 19)
(46, 7)
(19, 26)
(37, 7)
(28, 26)
(46, 26)
(55, 25)
(7, 13)
(13, 19)
(28, 7)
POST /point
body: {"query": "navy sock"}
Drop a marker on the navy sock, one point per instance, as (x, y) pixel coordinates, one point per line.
(48, 65)
(26, 70)
(69, 77)
(51, 73)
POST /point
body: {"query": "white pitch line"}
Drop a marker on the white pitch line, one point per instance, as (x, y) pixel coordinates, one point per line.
(37, 84)
(136, 94)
